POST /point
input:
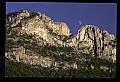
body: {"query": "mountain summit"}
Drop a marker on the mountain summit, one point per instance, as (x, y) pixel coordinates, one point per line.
(35, 39)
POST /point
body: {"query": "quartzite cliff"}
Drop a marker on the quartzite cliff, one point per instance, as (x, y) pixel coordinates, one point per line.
(40, 30)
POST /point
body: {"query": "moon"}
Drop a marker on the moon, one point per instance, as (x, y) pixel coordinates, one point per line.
(80, 22)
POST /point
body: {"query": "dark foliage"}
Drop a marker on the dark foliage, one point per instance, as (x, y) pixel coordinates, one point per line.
(17, 69)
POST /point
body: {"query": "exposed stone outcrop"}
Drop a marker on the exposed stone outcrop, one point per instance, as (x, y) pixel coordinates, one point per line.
(21, 54)
(38, 24)
(60, 28)
(89, 40)
(28, 57)
(100, 42)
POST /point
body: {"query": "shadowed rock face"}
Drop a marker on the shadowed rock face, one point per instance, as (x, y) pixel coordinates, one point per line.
(90, 39)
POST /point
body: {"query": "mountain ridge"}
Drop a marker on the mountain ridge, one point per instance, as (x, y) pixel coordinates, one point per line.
(35, 39)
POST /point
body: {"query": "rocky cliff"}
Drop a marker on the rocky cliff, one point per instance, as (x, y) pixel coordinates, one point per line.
(38, 24)
(91, 39)
(31, 35)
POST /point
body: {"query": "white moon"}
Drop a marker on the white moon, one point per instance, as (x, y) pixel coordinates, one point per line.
(80, 22)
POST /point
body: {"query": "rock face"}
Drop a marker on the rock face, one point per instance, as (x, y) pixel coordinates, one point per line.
(21, 54)
(89, 40)
(38, 24)
(59, 28)
(100, 42)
